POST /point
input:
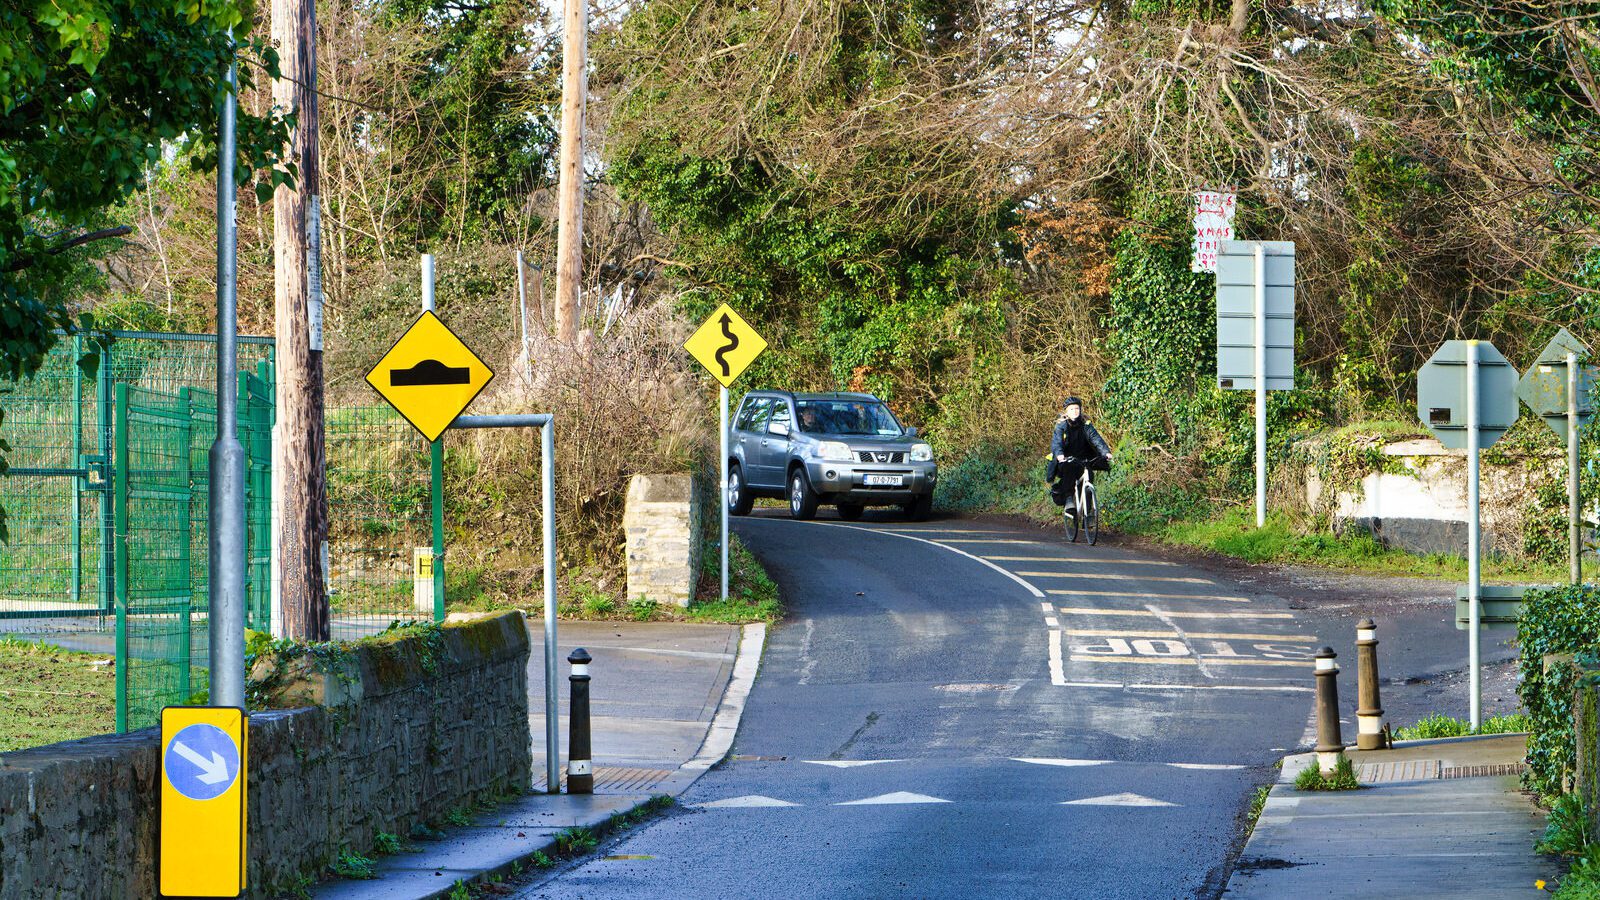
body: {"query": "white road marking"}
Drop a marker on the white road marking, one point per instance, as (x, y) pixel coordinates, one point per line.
(1106, 561)
(1047, 607)
(1123, 799)
(1058, 673)
(1184, 638)
(1206, 767)
(847, 763)
(894, 799)
(977, 559)
(1052, 621)
(1102, 576)
(1189, 660)
(1134, 686)
(1143, 596)
(748, 801)
(1070, 763)
(991, 541)
(1096, 611)
(1198, 635)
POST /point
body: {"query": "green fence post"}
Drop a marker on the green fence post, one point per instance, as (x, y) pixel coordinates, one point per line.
(186, 547)
(108, 526)
(120, 553)
(436, 458)
(77, 462)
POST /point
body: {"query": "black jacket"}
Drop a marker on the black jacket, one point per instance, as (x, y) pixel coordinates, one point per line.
(1079, 439)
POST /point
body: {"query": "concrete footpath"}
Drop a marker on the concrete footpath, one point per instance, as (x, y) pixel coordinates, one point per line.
(665, 704)
(1440, 818)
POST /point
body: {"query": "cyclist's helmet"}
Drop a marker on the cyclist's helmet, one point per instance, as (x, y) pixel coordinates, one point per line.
(1072, 401)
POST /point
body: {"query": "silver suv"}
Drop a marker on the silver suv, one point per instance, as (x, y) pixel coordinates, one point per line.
(844, 449)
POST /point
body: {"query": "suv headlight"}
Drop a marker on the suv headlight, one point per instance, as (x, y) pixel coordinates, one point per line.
(921, 453)
(838, 451)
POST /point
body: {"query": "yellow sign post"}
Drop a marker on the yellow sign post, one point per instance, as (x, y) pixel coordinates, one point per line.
(429, 376)
(726, 345)
(204, 754)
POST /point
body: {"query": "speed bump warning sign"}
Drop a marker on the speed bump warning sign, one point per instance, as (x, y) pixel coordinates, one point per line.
(429, 376)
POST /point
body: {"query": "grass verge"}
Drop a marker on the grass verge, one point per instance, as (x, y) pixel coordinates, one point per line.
(1234, 534)
(50, 694)
(1438, 725)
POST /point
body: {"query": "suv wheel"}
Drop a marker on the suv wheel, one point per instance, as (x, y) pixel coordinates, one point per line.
(739, 499)
(802, 499)
(918, 509)
(850, 511)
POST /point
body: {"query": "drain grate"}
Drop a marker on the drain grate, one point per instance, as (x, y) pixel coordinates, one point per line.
(1490, 771)
(618, 779)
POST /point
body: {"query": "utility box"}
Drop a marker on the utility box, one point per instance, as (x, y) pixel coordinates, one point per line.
(662, 523)
(1502, 603)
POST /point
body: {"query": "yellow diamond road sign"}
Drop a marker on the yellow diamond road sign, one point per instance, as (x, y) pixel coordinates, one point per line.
(726, 345)
(429, 376)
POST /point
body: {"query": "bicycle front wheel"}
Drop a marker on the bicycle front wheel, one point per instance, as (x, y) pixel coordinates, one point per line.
(1071, 518)
(1091, 515)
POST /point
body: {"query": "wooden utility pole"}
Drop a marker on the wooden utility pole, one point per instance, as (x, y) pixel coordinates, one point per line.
(300, 494)
(569, 237)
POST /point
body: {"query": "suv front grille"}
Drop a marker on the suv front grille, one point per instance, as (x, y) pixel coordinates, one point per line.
(887, 457)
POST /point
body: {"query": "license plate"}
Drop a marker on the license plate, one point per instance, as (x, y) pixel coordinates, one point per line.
(883, 480)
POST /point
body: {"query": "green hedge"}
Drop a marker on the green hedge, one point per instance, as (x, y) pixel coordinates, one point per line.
(1561, 620)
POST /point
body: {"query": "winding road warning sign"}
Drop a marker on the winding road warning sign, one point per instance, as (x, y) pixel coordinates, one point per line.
(726, 345)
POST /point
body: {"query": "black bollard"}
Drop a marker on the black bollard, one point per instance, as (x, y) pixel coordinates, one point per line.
(580, 768)
(1369, 712)
(1330, 746)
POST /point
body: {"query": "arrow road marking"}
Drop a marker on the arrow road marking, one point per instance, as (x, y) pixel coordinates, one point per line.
(748, 801)
(896, 798)
(847, 763)
(1123, 799)
(214, 771)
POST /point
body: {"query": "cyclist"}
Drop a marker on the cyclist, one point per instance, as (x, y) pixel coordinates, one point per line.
(1075, 445)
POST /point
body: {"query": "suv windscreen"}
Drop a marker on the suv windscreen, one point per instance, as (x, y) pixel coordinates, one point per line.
(847, 417)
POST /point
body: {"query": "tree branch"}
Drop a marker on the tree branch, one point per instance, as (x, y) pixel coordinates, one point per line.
(24, 262)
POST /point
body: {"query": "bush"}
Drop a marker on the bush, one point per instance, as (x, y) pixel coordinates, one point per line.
(1558, 621)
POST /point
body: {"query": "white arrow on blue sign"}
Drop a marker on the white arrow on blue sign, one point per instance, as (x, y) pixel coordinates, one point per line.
(202, 762)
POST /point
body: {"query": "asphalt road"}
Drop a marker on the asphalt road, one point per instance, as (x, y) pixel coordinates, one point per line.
(959, 709)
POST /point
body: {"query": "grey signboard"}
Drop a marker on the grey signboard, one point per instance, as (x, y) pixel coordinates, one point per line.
(1442, 394)
(1544, 385)
(1236, 314)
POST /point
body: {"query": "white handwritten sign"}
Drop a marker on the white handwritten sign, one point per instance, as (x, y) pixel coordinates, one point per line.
(1213, 224)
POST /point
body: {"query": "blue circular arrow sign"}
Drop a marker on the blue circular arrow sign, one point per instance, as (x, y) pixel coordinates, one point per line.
(201, 762)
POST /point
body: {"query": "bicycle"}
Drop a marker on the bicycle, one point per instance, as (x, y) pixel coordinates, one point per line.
(1084, 515)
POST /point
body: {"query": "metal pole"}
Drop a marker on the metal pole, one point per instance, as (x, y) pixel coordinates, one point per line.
(76, 509)
(1574, 541)
(227, 461)
(1261, 384)
(1330, 743)
(724, 469)
(522, 303)
(552, 713)
(1474, 600)
(435, 468)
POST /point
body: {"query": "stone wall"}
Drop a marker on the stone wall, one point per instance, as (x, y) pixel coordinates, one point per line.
(413, 728)
(663, 526)
(1421, 506)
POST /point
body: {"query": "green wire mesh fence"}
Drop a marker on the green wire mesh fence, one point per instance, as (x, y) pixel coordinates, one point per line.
(107, 503)
(378, 502)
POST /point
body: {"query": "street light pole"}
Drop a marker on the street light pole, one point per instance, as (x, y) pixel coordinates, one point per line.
(226, 540)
